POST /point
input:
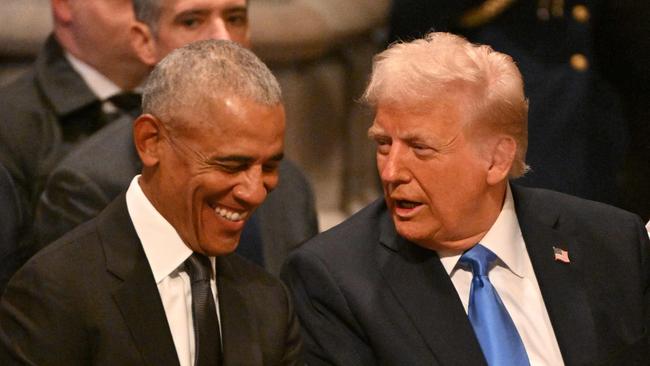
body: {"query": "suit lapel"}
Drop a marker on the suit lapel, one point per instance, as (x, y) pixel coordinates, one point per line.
(423, 288)
(137, 297)
(240, 342)
(561, 283)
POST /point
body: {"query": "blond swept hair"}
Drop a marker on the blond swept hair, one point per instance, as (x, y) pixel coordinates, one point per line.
(487, 84)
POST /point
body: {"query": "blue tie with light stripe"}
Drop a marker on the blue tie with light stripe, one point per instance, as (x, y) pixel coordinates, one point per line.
(494, 329)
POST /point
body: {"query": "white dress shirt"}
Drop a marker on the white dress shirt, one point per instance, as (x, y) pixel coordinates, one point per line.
(166, 253)
(515, 281)
(99, 84)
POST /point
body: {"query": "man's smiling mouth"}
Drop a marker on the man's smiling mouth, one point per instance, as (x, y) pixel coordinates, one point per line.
(230, 215)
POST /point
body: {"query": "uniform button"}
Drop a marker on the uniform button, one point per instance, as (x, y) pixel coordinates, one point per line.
(580, 13)
(579, 62)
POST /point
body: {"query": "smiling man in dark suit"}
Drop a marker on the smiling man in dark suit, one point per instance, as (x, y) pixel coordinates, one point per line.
(455, 266)
(152, 280)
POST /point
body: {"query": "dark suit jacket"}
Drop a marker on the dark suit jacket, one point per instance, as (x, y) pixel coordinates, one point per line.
(90, 298)
(44, 113)
(366, 296)
(103, 166)
(11, 224)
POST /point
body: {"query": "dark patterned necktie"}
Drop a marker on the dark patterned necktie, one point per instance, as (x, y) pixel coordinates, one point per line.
(127, 102)
(207, 339)
(493, 326)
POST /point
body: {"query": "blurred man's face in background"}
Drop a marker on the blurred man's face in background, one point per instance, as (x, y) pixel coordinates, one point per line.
(186, 21)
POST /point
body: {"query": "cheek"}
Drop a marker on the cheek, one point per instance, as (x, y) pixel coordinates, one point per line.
(169, 39)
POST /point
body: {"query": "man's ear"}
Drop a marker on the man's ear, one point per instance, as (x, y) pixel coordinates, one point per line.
(62, 11)
(503, 155)
(144, 43)
(148, 139)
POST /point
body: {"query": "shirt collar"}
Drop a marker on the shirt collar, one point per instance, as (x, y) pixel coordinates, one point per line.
(99, 84)
(504, 239)
(164, 248)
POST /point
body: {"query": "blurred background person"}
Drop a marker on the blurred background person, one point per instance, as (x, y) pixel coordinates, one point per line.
(81, 80)
(66, 95)
(11, 222)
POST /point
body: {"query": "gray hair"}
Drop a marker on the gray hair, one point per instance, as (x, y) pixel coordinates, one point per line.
(443, 65)
(205, 70)
(148, 12)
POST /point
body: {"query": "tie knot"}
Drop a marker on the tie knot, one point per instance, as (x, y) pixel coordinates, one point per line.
(479, 259)
(198, 267)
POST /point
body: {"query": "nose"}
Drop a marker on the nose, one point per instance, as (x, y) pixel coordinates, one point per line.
(253, 187)
(392, 167)
(219, 30)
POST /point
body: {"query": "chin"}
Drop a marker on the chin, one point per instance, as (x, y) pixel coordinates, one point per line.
(218, 247)
(412, 232)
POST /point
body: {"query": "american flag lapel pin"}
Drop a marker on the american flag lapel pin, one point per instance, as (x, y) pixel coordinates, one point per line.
(561, 255)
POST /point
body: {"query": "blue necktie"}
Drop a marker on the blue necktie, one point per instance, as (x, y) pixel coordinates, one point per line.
(492, 324)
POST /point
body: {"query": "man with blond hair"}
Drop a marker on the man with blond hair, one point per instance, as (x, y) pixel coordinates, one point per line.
(456, 266)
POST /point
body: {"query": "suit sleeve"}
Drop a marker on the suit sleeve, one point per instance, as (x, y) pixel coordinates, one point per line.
(294, 347)
(69, 199)
(11, 225)
(645, 265)
(39, 323)
(331, 333)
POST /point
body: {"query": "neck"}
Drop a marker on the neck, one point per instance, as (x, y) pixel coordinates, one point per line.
(125, 73)
(475, 226)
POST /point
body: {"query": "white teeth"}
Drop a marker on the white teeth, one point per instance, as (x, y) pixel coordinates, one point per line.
(230, 215)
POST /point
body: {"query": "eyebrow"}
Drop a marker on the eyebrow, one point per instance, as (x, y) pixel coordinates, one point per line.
(236, 9)
(189, 12)
(375, 131)
(242, 159)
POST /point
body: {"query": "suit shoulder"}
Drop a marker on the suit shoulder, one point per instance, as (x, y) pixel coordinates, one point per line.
(110, 143)
(20, 92)
(544, 198)
(64, 261)
(250, 272)
(21, 103)
(578, 214)
(355, 233)
(103, 165)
